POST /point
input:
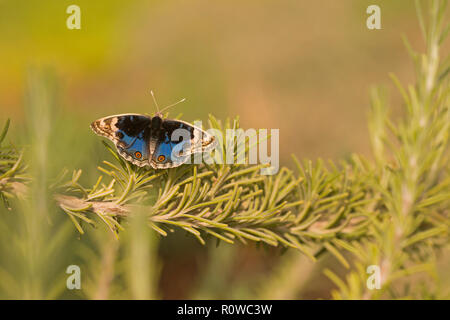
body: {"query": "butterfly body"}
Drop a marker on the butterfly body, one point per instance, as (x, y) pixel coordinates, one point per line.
(153, 141)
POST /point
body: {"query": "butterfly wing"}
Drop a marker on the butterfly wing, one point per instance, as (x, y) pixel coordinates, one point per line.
(130, 134)
(176, 141)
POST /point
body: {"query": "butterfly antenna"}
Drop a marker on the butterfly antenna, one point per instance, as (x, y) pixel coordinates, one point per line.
(173, 104)
(154, 100)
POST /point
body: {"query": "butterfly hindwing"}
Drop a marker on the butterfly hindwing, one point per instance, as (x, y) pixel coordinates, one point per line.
(165, 156)
(130, 133)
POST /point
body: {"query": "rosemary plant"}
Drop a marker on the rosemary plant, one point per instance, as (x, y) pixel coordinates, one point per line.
(412, 182)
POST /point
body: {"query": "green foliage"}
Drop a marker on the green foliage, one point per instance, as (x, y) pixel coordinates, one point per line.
(120, 270)
(316, 208)
(13, 176)
(31, 233)
(411, 178)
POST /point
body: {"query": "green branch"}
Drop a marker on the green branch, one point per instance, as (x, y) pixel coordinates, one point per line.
(304, 210)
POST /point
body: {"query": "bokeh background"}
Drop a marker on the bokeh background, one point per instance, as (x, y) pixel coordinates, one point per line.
(304, 67)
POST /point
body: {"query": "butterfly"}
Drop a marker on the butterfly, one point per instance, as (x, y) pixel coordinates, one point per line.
(154, 141)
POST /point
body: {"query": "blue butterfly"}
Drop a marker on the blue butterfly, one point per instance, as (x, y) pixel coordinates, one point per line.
(153, 141)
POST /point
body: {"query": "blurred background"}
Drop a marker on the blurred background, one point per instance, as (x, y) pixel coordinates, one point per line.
(304, 67)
